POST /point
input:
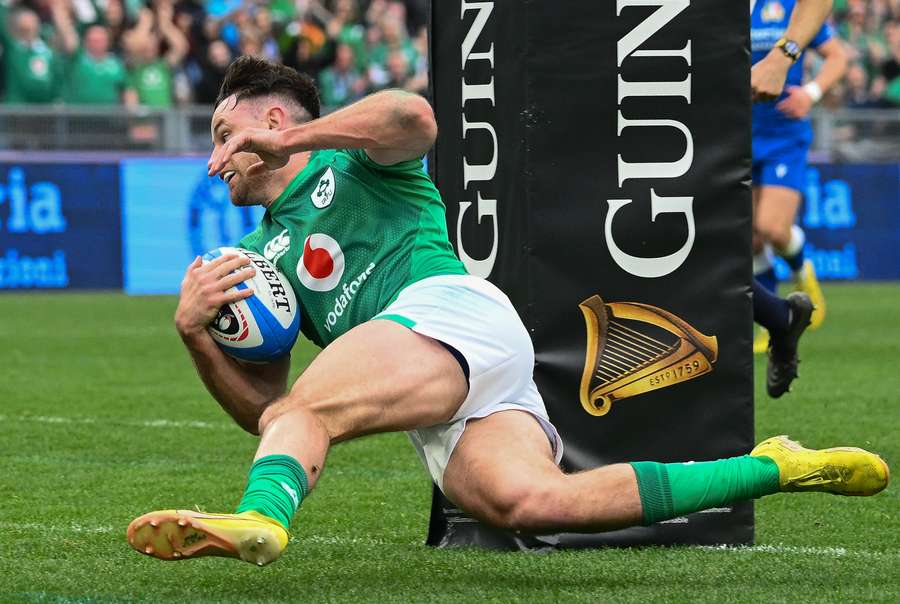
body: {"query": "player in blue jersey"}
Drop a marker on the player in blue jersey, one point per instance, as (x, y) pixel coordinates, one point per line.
(784, 319)
(781, 130)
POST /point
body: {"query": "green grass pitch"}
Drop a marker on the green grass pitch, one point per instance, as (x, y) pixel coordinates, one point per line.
(102, 418)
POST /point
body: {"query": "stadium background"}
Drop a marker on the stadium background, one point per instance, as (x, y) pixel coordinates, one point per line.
(76, 213)
(166, 59)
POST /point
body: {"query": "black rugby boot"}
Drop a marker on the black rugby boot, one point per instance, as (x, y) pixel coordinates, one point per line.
(783, 361)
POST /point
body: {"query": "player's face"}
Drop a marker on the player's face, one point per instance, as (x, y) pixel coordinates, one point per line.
(230, 119)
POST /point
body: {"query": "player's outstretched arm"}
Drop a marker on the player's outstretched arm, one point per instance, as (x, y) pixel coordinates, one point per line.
(243, 390)
(768, 75)
(392, 126)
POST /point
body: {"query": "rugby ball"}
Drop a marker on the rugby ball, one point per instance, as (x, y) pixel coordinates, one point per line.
(264, 326)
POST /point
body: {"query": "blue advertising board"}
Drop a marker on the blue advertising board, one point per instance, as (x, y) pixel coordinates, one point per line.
(59, 226)
(851, 216)
(172, 213)
(138, 223)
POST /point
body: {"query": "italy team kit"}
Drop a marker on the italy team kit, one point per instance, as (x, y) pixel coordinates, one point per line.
(780, 143)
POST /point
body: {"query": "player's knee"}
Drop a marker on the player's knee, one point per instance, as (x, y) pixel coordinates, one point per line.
(774, 233)
(278, 408)
(319, 415)
(270, 413)
(522, 507)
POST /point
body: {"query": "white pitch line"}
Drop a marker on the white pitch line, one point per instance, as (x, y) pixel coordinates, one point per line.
(333, 540)
(801, 550)
(50, 528)
(104, 530)
(153, 423)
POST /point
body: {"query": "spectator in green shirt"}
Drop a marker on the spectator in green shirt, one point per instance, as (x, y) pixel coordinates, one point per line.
(342, 83)
(94, 75)
(347, 30)
(394, 39)
(151, 76)
(398, 75)
(889, 79)
(864, 37)
(32, 69)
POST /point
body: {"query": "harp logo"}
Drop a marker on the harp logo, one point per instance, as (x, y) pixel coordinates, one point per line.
(634, 348)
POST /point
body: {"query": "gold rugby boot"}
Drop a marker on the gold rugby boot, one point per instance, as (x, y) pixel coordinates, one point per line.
(181, 534)
(839, 470)
(808, 283)
(761, 341)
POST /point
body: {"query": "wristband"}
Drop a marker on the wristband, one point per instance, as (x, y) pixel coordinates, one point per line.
(814, 91)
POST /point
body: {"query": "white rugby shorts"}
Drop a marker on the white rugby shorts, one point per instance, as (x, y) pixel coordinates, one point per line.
(473, 316)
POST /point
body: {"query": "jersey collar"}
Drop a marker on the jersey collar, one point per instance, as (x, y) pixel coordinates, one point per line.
(294, 184)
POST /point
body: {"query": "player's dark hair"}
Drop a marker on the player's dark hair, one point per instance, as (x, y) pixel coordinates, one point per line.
(251, 77)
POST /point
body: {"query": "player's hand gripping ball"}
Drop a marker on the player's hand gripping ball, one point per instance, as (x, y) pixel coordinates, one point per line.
(264, 326)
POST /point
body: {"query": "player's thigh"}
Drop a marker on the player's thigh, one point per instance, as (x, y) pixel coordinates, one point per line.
(502, 462)
(776, 210)
(379, 377)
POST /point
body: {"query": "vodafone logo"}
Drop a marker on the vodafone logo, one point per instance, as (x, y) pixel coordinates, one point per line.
(322, 264)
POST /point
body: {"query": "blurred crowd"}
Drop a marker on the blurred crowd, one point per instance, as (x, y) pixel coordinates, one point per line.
(162, 53)
(871, 31)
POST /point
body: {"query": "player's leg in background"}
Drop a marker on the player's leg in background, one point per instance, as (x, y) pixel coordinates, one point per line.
(781, 321)
(378, 377)
(770, 311)
(776, 209)
(785, 320)
(774, 216)
(763, 268)
(502, 472)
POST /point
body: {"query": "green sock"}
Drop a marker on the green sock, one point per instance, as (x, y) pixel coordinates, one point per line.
(673, 489)
(275, 487)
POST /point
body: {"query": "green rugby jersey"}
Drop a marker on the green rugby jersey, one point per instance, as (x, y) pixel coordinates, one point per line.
(349, 234)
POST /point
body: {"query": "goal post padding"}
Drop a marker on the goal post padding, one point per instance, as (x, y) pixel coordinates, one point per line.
(595, 162)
